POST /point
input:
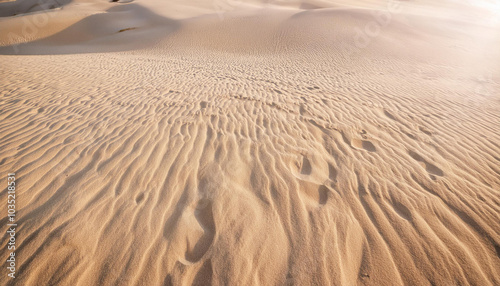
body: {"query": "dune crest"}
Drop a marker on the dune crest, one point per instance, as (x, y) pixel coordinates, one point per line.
(253, 143)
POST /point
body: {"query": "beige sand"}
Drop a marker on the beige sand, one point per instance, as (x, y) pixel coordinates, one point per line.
(252, 142)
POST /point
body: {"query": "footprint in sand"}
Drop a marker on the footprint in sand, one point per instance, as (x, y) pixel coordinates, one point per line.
(306, 168)
(312, 192)
(322, 194)
(430, 168)
(402, 210)
(191, 230)
(363, 144)
(311, 175)
(332, 173)
(197, 248)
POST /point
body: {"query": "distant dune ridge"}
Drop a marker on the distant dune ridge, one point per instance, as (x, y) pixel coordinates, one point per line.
(19, 7)
(252, 142)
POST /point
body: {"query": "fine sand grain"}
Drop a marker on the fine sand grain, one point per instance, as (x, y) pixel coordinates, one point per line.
(313, 142)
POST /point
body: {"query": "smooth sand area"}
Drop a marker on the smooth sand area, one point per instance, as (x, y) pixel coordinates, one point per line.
(253, 142)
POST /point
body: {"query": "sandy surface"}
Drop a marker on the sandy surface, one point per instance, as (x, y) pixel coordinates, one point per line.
(251, 142)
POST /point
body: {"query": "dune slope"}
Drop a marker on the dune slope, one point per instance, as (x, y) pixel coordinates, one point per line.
(266, 144)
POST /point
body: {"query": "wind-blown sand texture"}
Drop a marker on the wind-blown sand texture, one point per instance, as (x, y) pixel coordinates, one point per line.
(252, 143)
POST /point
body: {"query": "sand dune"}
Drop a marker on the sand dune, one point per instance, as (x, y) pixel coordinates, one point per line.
(20, 7)
(253, 143)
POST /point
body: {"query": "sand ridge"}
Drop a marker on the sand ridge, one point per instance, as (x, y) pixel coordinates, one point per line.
(165, 145)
